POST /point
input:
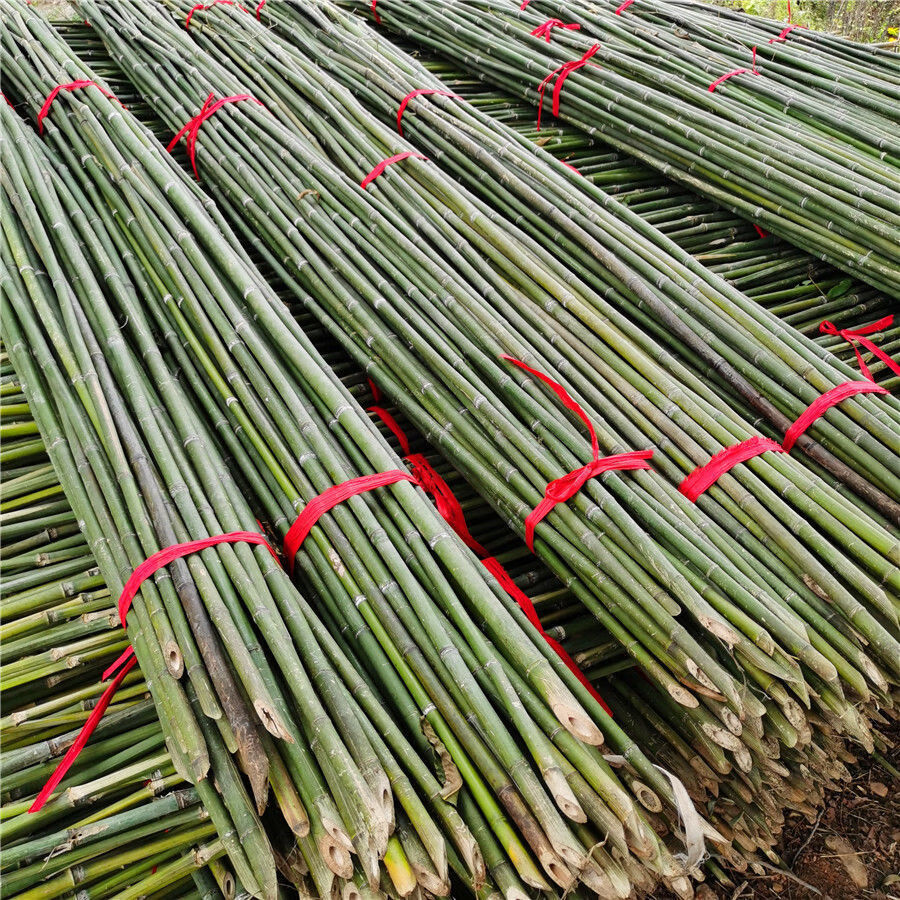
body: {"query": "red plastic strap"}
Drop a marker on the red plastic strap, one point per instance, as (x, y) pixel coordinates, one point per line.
(724, 461)
(385, 163)
(785, 32)
(430, 480)
(71, 86)
(826, 401)
(417, 93)
(548, 26)
(562, 489)
(524, 4)
(201, 6)
(445, 500)
(760, 232)
(387, 418)
(391, 423)
(191, 128)
(328, 499)
(570, 166)
(7, 100)
(177, 551)
(375, 12)
(859, 334)
(562, 73)
(377, 396)
(727, 75)
(789, 10)
(623, 7)
(121, 660)
(127, 660)
(524, 601)
(262, 3)
(83, 737)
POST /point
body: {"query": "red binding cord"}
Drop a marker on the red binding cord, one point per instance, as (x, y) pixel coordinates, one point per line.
(83, 737)
(201, 6)
(825, 402)
(760, 232)
(191, 128)
(71, 86)
(727, 75)
(854, 335)
(121, 659)
(127, 661)
(623, 7)
(418, 92)
(570, 166)
(524, 601)
(785, 32)
(548, 26)
(177, 551)
(428, 478)
(724, 461)
(7, 100)
(562, 73)
(328, 499)
(385, 163)
(262, 3)
(391, 423)
(524, 4)
(375, 12)
(562, 489)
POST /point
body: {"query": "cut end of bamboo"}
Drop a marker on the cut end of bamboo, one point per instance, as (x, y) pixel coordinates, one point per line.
(682, 696)
(336, 856)
(174, 659)
(577, 722)
(647, 797)
(272, 722)
(558, 871)
(563, 796)
(431, 882)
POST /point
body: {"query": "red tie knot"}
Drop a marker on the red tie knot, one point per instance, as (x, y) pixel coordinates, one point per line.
(548, 26)
(567, 486)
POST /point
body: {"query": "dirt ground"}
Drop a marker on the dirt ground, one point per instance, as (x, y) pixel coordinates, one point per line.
(851, 852)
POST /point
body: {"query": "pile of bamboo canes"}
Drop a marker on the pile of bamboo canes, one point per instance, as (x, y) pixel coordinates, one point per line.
(418, 735)
(126, 824)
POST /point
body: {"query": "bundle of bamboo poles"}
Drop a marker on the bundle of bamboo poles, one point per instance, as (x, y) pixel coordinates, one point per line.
(741, 797)
(647, 282)
(404, 399)
(818, 164)
(257, 151)
(801, 290)
(494, 695)
(127, 825)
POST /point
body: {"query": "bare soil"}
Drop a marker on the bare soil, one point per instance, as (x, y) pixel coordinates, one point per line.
(857, 833)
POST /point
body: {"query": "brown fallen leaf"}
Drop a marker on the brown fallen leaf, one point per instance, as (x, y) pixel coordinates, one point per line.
(852, 863)
(878, 789)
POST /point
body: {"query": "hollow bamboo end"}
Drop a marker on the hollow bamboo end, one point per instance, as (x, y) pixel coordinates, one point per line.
(647, 797)
(577, 722)
(336, 856)
(174, 659)
(563, 796)
(432, 883)
(558, 871)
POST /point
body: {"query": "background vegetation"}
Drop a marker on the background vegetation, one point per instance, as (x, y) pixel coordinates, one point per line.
(861, 20)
